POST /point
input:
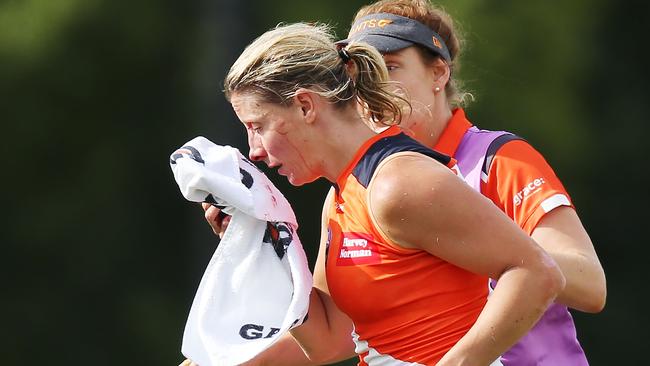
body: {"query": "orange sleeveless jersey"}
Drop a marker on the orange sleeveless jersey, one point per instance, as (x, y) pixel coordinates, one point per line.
(520, 181)
(408, 306)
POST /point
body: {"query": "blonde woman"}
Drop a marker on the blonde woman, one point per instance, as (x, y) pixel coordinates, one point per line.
(406, 246)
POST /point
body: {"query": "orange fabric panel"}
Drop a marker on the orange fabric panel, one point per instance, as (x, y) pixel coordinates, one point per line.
(519, 181)
(405, 303)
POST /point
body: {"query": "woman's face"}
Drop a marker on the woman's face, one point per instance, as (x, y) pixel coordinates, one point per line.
(417, 79)
(275, 136)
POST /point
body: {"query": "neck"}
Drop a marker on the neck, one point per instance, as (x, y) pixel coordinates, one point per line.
(433, 128)
(341, 141)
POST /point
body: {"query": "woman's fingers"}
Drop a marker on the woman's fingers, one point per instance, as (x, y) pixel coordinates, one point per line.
(217, 220)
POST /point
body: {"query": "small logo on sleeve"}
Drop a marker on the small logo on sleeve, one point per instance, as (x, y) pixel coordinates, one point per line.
(528, 190)
(357, 248)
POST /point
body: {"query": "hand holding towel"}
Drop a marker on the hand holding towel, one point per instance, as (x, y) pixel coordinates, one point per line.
(256, 286)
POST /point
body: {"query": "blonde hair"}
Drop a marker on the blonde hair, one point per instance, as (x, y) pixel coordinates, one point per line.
(294, 56)
(440, 22)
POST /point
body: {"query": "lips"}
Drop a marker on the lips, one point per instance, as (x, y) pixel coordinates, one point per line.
(273, 165)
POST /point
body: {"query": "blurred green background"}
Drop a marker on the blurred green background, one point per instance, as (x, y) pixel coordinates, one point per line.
(102, 255)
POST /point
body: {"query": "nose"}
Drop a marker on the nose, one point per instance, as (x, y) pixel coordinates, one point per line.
(256, 151)
(256, 154)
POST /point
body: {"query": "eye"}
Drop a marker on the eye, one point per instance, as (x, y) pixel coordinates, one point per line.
(391, 67)
(254, 127)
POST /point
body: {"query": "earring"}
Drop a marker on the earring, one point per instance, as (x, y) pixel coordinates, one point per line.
(437, 89)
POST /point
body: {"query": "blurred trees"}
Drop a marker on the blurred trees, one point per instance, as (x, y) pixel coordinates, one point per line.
(101, 253)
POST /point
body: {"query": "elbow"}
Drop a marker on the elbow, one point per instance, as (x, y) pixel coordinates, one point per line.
(585, 291)
(599, 295)
(596, 306)
(595, 302)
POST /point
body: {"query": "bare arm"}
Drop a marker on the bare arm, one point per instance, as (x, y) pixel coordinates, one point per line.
(326, 335)
(558, 231)
(285, 351)
(448, 219)
(562, 235)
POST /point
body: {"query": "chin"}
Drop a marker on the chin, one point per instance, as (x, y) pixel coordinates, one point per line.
(294, 182)
(298, 181)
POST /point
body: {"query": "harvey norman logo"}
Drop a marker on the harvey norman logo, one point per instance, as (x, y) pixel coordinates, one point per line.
(370, 23)
(357, 248)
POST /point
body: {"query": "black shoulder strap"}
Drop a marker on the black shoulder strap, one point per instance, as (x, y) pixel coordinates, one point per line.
(494, 146)
(387, 146)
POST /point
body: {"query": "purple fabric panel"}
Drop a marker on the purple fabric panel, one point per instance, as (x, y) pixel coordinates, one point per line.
(553, 340)
(471, 154)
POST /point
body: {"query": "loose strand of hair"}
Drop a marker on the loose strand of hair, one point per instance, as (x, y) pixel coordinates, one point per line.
(371, 84)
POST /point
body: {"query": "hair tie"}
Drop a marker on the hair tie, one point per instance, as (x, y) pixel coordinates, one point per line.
(344, 55)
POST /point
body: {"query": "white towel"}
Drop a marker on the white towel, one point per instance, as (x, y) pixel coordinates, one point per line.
(256, 286)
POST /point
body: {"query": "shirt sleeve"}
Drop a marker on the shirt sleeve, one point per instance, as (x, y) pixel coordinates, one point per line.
(524, 185)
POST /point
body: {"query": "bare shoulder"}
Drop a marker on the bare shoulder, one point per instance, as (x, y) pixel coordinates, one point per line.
(406, 191)
(420, 204)
(410, 178)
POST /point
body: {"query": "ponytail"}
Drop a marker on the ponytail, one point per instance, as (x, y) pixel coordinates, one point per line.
(295, 56)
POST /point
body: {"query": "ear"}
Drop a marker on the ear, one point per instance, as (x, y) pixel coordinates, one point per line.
(441, 73)
(306, 102)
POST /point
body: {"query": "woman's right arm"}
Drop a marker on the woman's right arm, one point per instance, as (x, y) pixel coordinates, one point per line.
(325, 337)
